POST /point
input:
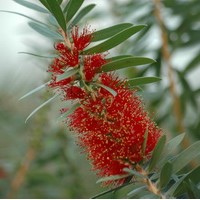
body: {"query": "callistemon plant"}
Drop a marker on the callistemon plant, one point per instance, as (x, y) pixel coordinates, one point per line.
(114, 129)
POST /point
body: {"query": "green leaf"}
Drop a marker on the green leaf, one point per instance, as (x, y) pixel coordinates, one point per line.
(112, 178)
(57, 13)
(144, 143)
(165, 174)
(172, 189)
(44, 2)
(68, 74)
(193, 175)
(31, 6)
(186, 156)
(59, 2)
(70, 111)
(35, 90)
(81, 14)
(136, 191)
(33, 54)
(72, 8)
(115, 40)
(118, 57)
(41, 106)
(125, 62)
(109, 32)
(157, 153)
(23, 16)
(133, 172)
(143, 80)
(45, 31)
(174, 143)
(113, 92)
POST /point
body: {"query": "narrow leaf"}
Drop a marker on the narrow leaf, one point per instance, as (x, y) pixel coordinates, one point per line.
(72, 8)
(133, 172)
(193, 175)
(118, 57)
(81, 14)
(136, 191)
(115, 40)
(45, 31)
(70, 111)
(172, 189)
(125, 62)
(186, 156)
(58, 14)
(142, 80)
(109, 32)
(165, 174)
(113, 92)
(144, 143)
(112, 178)
(35, 20)
(35, 90)
(68, 74)
(157, 153)
(39, 107)
(174, 143)
(44, 2)
(31, 6)
(33, 54)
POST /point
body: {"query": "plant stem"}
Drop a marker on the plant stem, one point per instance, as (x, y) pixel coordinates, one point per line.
(152, 187)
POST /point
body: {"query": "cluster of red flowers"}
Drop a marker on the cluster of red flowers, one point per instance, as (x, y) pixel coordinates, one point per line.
(111, 128)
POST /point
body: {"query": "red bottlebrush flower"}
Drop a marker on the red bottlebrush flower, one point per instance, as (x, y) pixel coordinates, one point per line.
(68, 57)
(74, 92)
(81, 40)
(111, 129)
(56, 67)
(91, 65)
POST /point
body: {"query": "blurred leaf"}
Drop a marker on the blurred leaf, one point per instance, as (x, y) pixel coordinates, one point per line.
(69, 111)
(193, 175)
(174, 142)
(125, 62)
(45, 31)
(186, 156)
(81, 14)
(33, 54)
(112, 178)
(31, 6)
(71, 8)
(59, 2)
(34, 90)
(115, 40)
(23, 16)
(191, 189)
(113, 92)
(68, 74)
(41, 106)
(44, 2)
(109, 32)
(133, 172)
(118, 57)
(165, 174)
(136, 191)
(57, 13)
(143, 80)
(157, 153)
(193, 63)
(173, 188)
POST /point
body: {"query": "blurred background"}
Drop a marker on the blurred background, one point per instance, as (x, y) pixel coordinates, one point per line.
(40, 159)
